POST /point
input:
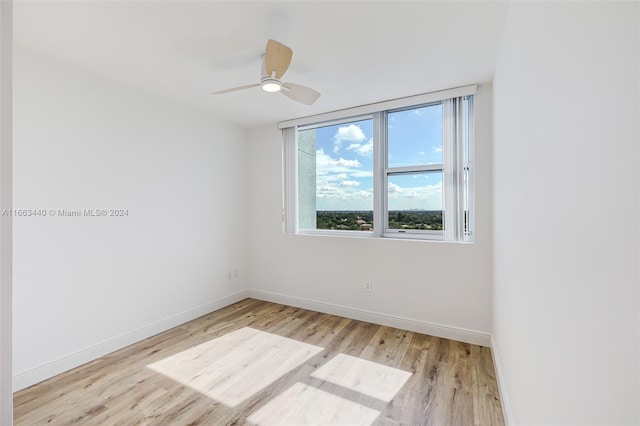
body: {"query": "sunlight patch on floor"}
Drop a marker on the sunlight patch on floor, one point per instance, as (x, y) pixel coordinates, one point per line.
(306, 405)
(233, 367)
(366, 377)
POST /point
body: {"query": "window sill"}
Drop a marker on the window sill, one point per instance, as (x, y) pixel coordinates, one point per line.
(392, 236)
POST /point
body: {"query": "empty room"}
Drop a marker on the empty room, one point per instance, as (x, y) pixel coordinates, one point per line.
(319, 212)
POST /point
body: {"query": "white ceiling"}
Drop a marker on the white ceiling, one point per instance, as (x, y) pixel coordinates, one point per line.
(354, 53)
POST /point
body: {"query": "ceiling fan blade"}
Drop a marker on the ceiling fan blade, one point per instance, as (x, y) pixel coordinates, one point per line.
(277, 57)
(300, 93)
(235, 89)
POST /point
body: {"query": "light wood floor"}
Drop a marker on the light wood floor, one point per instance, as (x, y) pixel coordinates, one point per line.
(262, 363)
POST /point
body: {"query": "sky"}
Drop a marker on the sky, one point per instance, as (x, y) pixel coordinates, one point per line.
(344, 162)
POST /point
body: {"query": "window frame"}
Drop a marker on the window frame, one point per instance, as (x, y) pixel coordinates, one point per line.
(458, 158)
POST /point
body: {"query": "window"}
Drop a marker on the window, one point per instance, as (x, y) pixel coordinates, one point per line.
(414, 170)
(401, 169)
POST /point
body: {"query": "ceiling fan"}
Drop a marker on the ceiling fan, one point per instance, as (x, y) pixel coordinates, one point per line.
(275, 62)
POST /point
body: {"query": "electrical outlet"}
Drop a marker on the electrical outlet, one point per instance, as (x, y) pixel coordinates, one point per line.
(229, 275)
(368, 286)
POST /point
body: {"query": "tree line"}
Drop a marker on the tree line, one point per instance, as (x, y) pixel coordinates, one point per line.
(363, 220)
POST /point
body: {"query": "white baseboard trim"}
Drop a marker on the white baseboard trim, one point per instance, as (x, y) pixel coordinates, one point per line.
(38, 374)
(502, 388)
(418, 326)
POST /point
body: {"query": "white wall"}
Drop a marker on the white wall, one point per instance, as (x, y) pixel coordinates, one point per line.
(428, 282)
(84, 286)
(6, 42)
(566, 190)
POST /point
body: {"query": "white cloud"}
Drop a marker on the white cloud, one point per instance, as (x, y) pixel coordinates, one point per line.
(416, 191)
(348, 163)
(350, 133)
(437, 148)
(426, 197)
(336, 178)
(340, 198)
(338, 186)
(421, 153)
(325, 164)
(329, 191)
(337, 193)
(361, 195)
(331, 171)
(361, 174)
(364, 149)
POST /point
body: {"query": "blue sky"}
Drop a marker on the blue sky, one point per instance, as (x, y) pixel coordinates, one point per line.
(344, 162)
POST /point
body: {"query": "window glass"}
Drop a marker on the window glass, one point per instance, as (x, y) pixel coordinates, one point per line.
(415, 201)
(415, 136)
(335, 177)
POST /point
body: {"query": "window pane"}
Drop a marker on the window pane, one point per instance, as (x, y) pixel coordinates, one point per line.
(335, 177)
(415, 136)
(415, 201)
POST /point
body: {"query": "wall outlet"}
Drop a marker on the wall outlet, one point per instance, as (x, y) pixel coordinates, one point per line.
(229, 275)
(368, 286)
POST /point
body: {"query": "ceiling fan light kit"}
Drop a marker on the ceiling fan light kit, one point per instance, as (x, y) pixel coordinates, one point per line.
(275, 62)
(271, 84)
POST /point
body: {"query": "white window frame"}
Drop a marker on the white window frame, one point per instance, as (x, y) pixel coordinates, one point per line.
(421, 168)
(457, 157)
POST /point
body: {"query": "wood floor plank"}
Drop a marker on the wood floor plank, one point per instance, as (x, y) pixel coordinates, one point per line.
(238, 365)
(412, 401)
(388, 346)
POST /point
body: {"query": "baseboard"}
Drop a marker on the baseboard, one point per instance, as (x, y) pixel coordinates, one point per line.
(36, 375)
(502, 388)
(418, 326)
